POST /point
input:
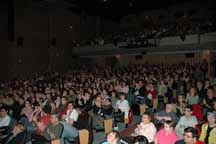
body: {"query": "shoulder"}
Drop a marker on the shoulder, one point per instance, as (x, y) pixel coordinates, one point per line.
(179, 142)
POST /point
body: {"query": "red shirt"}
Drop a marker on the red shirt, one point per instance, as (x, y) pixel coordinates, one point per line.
(151, 92)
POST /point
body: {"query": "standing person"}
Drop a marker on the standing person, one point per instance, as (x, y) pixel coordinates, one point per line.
(167, 134)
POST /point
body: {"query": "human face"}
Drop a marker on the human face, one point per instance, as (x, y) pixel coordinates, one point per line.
(169, 108)
(122, 97)
(70, 106)
(145, 119)
(167, 128)
(211, 119)
(180, 98)
(3, 113)
(210, 93)
(63, 100)
(111, 137)
(53, 119)
(187, 112)
(188, 138)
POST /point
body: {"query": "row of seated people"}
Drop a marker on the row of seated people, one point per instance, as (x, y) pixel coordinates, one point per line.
(37, 124)
(165, 128)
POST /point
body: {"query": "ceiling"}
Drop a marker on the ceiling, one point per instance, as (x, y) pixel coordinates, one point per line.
(113, 9)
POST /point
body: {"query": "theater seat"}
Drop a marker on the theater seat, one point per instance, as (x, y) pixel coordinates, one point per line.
(108, 125)
(84, 136)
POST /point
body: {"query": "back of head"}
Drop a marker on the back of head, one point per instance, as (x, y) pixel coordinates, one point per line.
(141, 140)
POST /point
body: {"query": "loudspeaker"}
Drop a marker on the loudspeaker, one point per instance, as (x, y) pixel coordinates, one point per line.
(189, 55)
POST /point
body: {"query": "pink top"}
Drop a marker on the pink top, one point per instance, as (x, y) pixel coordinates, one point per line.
(163, 138)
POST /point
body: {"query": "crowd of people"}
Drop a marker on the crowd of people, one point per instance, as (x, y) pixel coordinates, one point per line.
(56, 106)
(154, 27)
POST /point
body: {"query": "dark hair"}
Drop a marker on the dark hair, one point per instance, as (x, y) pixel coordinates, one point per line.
(47, 109)
(6, 108)
(193, 131)
(189, 107)
(141, 140)
(170, 123)
(117, 134)
(148, 114)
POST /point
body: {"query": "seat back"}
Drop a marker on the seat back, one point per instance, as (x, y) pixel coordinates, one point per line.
(56, 141)
(84, 136)
(108, 125)
(142, 109)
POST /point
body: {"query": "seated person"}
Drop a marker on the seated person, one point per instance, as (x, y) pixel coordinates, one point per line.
(54, 129)
(166, 114)
(190, 137)
(71, 113)
(123, 105)
(208, 131)
(97, 110)
(42, 120)
(167, 134)
(141, 140)
(112, 138)
(146, 128)
(70, 132)
(6, 124)
(108, 109)
(188, 120)
(18, 135)
(4, 117)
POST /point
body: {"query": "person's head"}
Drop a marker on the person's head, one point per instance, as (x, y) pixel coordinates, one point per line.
(108, 101)
(18, 129)
(47, 109)
(188, 110)
(181, 98)
(169, 107)
(214, 105)
(211, 117)
(190, 135)
(141, 140)
(63, 100)
(27, 103)
(146, 118)
(210, 93)
(122, 96)
(98, 98)
(113, 137)
(169, 126)
(54, 119)
(3, 111)
(199, 84)
(70, 106)
(193, 91)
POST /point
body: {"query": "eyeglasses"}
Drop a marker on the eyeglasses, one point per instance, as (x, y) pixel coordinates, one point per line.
(187, 136)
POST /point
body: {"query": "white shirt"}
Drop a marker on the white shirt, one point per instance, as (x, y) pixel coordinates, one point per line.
(184, 123)
(72, 115)
(123, 106)
(148, 130)
(5, 121)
